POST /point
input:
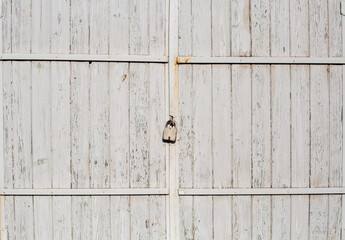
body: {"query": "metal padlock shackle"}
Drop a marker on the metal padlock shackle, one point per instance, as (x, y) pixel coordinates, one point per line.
(171, 121)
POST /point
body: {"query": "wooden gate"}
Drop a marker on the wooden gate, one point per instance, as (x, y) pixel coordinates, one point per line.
(256, 87)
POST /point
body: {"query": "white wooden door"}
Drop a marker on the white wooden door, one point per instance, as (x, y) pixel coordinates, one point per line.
(260, 104)
(83, 105)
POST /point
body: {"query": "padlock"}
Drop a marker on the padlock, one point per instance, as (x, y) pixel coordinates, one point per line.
(170, 131)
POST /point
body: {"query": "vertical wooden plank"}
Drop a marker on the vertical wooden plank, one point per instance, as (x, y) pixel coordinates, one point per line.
(80, 26)
(99, 27)
(99, 148)
(101, 217)
(41, 24)
(119, 118)
(241, 165)
(139, 155)
(60, 26)
(120, 217)
(21, 117)
(139, 31)
(319, 146)
(119, 124)
(156, 150)
(261, 127)
(201, 27)
(221, 126)
(300, 149)
(99, 118)
(300, 118)
(220, 28)
(240, 28)
(318, 216)
(261, 146)
(119, 148)
(80, 120)
(119, 27)
(319, 149)
(156, 92)
(140, 217)
(319, 88)
(241, 118)
(139, 85)
(81, 218)
(6, 36)
(80, 136)
(319, 35)
(157, 221)
(280, 101)
(202, 109)
(260, 27)
(62, 225)
(299, 28)
(22, 168)
(139, 106)
(185, 28)
(202, 113)
(8, 123)
(299, 217)
(221, 149)
(335, 120)
(21, 33)
(157, 25)
(202, 171)
(280, 32)
(280, 93)
(43, 218)
(23, 217)
(60, 110)
(21, 109)
(222, 218)
(41, 119)
(41, 147)
(185, 148)
(60, 100)
(8, 204)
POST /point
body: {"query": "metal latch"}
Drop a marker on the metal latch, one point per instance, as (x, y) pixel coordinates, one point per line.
(170, 131)
(342, 8)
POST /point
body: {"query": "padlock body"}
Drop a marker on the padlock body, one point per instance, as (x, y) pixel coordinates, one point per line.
(169, 134)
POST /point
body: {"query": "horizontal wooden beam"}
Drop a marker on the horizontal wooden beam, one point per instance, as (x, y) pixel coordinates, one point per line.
(83, 58)
(261, 60)
(84, 192)
(261, 191)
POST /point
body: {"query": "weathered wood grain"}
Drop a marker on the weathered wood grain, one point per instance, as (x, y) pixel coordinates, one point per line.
(299, 27)
(185, 149)
(221, 126)
(138, 27)
(80, 20)
(99, 27)
(240, 28)
(220, 27)
(241, 164)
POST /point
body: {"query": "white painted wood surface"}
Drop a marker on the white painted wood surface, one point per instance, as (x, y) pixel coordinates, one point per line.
(272, 106)
(69, 118)
(259, 109)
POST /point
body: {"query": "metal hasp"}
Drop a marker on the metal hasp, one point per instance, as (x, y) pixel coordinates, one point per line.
(170, 131)
(342, 8)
